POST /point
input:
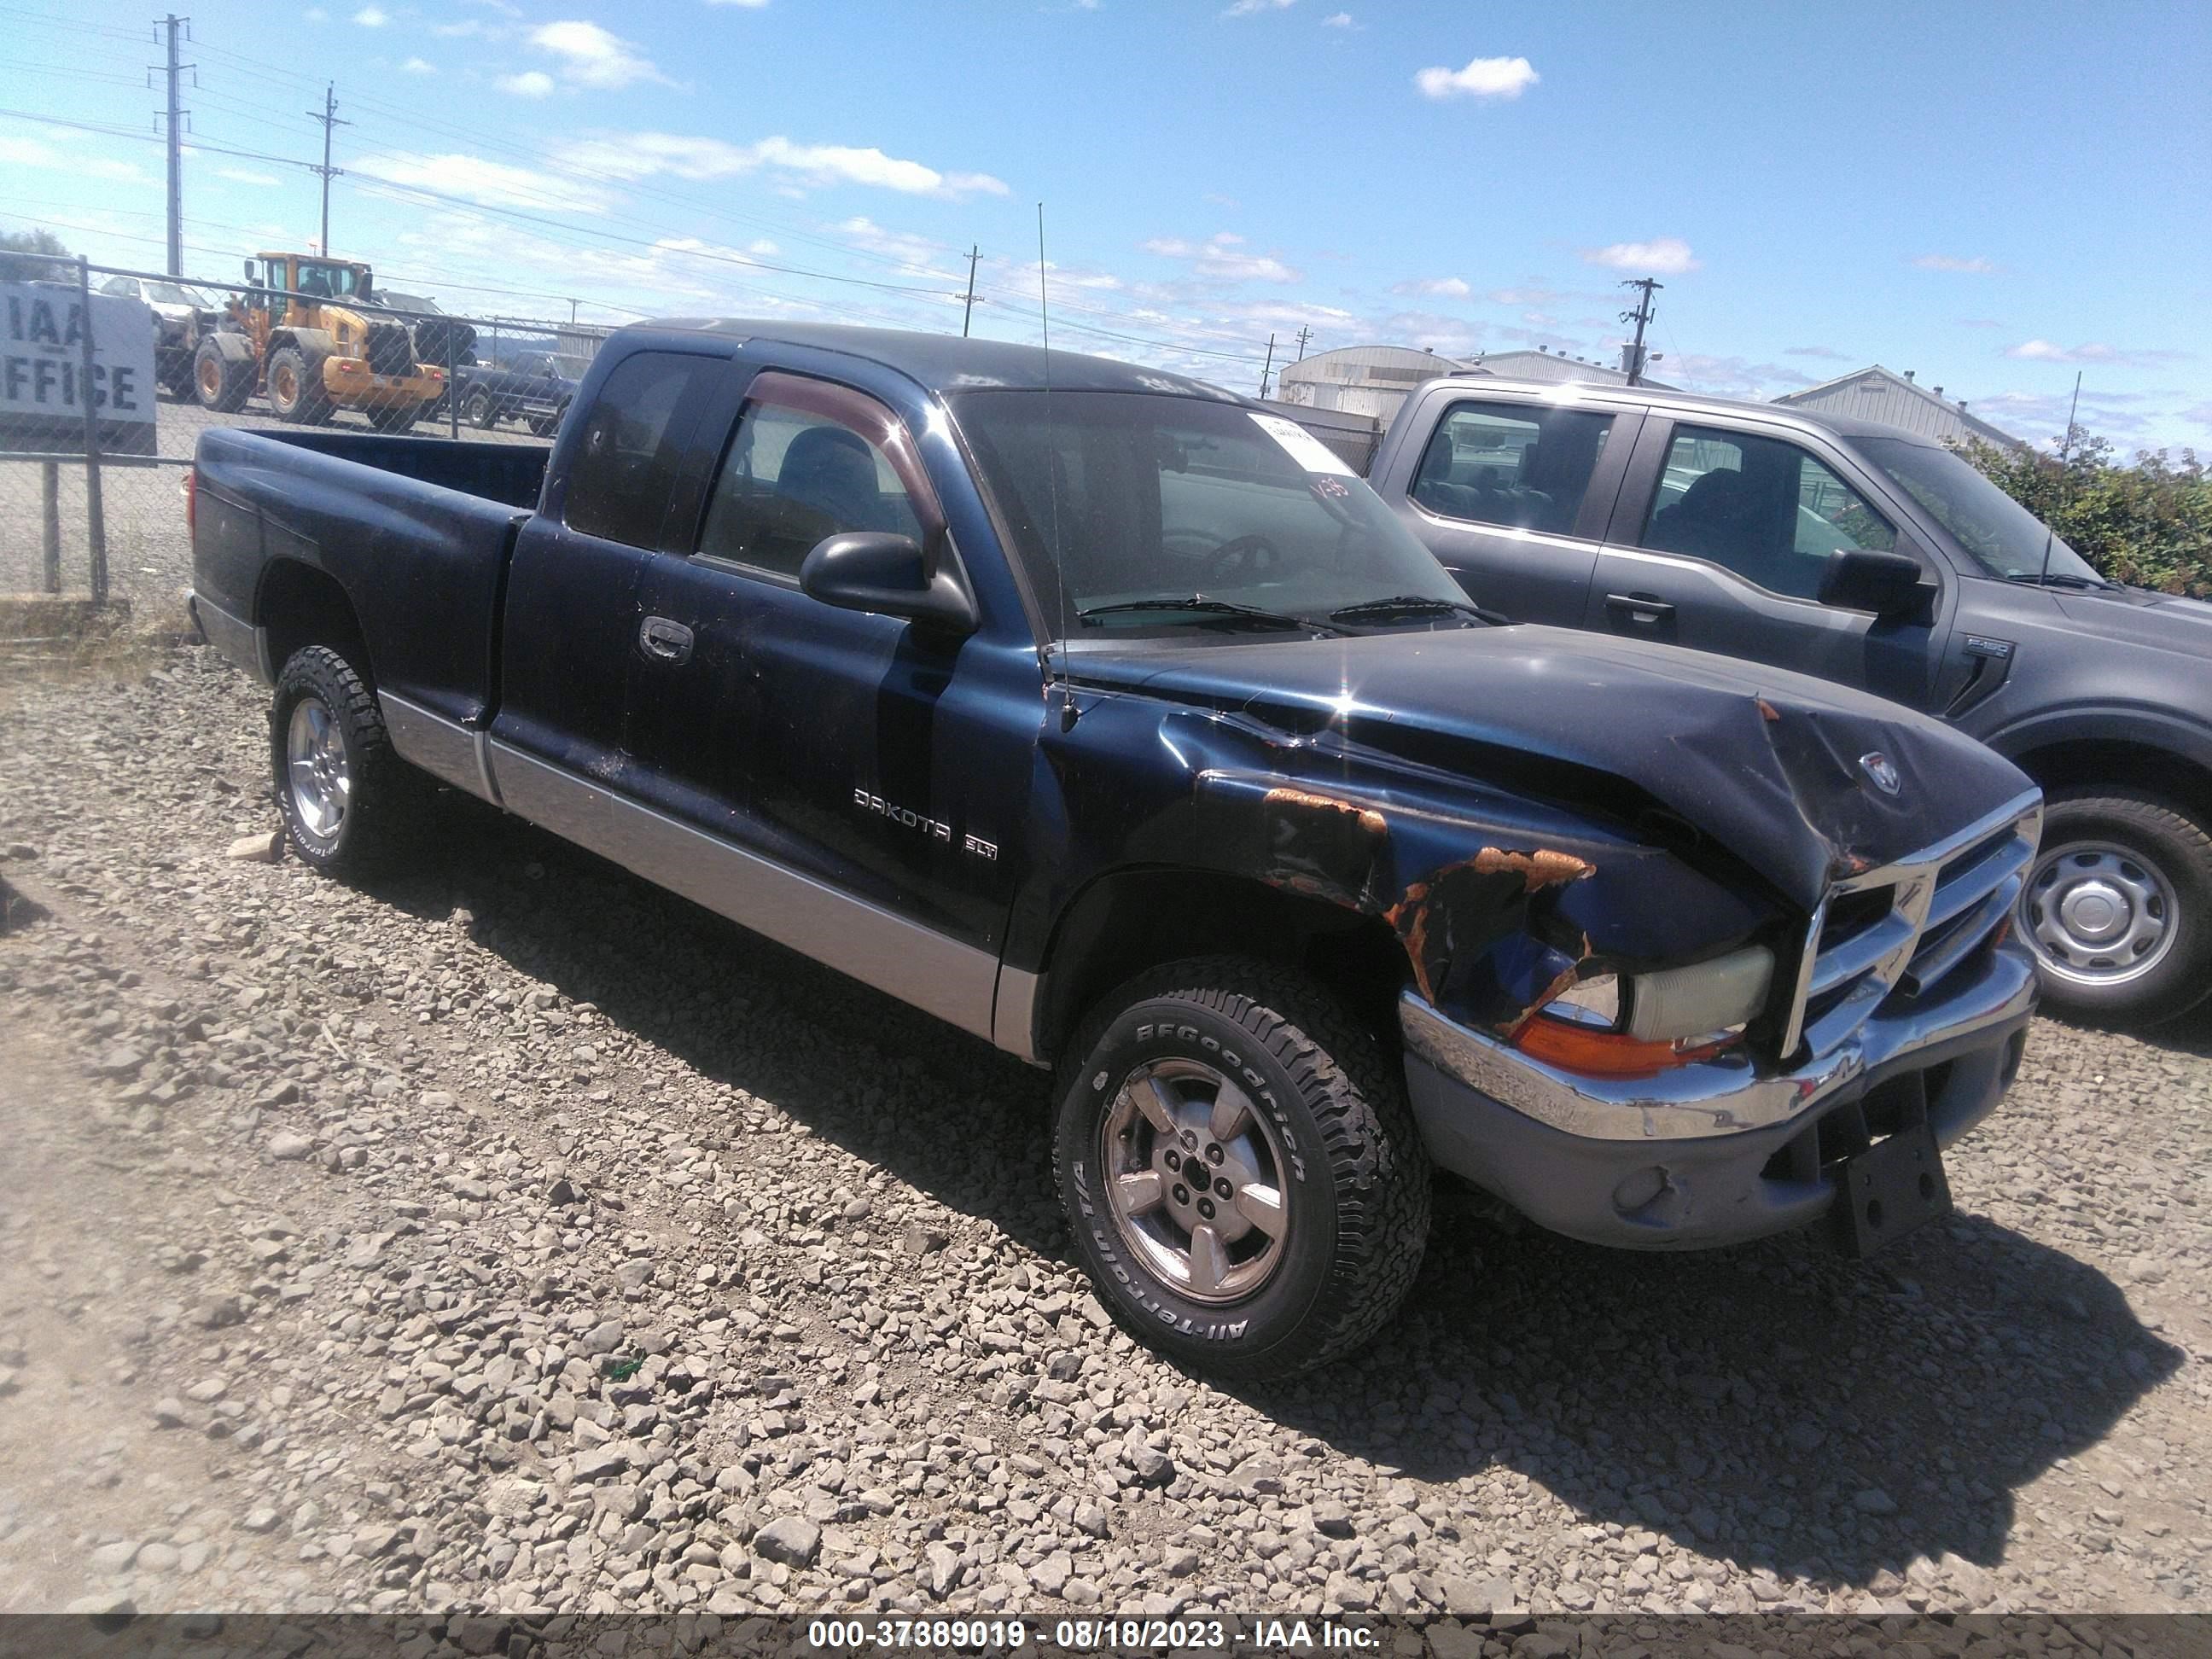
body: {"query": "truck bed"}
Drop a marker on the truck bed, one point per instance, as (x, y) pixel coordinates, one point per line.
(417, 532)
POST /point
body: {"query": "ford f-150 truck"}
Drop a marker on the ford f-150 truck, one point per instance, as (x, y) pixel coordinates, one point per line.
(1871, 556)
(1107, 717)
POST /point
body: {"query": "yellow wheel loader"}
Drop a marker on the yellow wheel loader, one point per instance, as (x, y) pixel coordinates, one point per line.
(307, 334)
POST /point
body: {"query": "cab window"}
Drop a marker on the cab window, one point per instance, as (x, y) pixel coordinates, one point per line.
(1760, 506)
(794, 477)
(1516, 464)
(632, 446)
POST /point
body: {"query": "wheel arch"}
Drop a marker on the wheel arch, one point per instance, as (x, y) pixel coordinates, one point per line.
(299, 605)
(2085, 760)
(1126, 921)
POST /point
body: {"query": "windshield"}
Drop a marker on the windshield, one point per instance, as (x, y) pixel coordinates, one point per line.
(169, 294)
(2003, 536)
(1170, 498)
(331, 282)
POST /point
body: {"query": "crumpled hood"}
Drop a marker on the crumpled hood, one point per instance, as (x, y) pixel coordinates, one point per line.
(1766, 762)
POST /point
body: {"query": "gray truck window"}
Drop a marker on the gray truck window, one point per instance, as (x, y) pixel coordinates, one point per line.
(2002, 536)
(1518, 464)
(625, 467)
(1762, 507)
(791, 478)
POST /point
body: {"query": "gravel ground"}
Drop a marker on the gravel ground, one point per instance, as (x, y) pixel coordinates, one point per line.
(515, 1237)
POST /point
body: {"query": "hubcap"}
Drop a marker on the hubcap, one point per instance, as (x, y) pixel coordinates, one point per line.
(211, 379)
(2097, 914)
(315, 761)
(288, 385)
(1195, 1179)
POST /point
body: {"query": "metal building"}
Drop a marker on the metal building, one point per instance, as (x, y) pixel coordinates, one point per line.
(1373, 380)
(1874, 393)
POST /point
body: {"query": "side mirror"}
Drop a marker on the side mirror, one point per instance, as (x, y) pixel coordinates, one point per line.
(249, 270)
(1864, 579)
(890, 573)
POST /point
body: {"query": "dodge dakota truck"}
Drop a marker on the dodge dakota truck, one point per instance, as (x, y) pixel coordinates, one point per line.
(1106, 716)
(1880, 559)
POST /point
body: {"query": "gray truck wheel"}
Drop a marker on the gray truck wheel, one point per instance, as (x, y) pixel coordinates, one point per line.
(349, 803)
(477, 411)
(1248, 1189)
(2117, 907)
(223, 384)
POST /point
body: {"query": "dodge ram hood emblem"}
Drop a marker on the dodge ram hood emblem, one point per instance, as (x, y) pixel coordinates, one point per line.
(1881, 771)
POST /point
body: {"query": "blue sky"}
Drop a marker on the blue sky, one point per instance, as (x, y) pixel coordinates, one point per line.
(1992, 195)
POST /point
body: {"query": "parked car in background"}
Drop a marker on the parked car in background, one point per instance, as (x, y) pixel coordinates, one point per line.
(1107, 716)
(1878, 559)
(439, 339)
(529, 386)
(178, 313)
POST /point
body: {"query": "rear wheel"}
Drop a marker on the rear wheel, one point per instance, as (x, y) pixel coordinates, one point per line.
(1247, 1186)
(223, 384)
(2117, 907)
(349, 803)
(478, 411)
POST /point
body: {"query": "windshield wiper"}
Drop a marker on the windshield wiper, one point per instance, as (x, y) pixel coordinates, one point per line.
(2063, 579)
(1199, 604)
(1411, 604)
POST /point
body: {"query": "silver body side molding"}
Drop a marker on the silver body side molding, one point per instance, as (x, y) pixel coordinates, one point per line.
(957, 982)
(235, 637)
(1013, 1016)
(444, 749)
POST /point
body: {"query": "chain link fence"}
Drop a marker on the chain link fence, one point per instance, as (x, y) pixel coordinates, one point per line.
(92, 505)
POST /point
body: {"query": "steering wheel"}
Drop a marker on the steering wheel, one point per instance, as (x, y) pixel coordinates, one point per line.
(1242, 555)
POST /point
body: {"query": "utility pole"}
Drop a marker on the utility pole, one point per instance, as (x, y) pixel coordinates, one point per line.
(328, 115)
(975, 252)
(176, 127)
(1304, 334)
(1641, 317)
(1270, 368)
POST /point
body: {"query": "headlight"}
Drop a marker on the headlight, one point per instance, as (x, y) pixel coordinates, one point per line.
(1632, 1025)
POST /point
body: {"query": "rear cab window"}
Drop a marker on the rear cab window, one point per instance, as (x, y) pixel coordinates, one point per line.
(1522, 467)
(626, 464)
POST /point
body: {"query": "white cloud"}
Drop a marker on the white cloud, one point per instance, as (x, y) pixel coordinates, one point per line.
(642, 155)
(494, 183)
(1247, 8)
(2045, 351)
(1483, 77)
(1446, 287)
(1977, 267)
(419, 66)
(592, 57)
(1341, 19)
(243, 176)
(372, 17)
(1669, 256)
(1221, 256)
(1828, 354)
(531, 83)
(39, 153)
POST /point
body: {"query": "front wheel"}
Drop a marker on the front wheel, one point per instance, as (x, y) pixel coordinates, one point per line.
(478, 411)
(349, 803)
(2117, 907)
(1248, 1190)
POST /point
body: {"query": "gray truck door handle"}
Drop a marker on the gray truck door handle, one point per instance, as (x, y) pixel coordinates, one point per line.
(1643, 608)
(669, 641)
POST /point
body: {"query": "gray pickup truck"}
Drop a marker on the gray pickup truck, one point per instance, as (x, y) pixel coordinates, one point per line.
(1868, 556)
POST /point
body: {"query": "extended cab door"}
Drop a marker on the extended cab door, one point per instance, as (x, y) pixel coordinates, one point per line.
(1720, 539)
(567, 648)
(1512, 494)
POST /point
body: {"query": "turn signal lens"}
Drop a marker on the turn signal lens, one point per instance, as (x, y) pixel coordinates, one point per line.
(1576, 1048)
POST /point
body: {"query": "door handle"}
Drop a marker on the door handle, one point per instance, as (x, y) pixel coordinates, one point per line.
(665, 641)
(1643, 609)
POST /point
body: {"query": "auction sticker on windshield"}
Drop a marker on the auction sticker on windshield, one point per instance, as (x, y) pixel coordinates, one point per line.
(1302, 446)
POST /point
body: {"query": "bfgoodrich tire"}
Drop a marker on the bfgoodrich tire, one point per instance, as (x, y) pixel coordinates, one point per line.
(350, 804)
(1247, 1188)
(2117, 907)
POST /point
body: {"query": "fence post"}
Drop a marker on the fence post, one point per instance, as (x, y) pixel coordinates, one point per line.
(453, 386)
(95, 518)
(50, 499)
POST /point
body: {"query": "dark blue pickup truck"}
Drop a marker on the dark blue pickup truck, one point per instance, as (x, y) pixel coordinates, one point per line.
(1107, 716)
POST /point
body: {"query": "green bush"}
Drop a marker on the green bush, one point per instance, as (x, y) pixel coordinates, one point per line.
(2149, 524)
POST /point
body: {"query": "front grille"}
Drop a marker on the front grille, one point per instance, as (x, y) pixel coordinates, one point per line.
(1897, 933)
(390, 349)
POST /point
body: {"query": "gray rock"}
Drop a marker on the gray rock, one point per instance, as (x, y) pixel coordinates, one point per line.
(1874, 1501)
(287, 1146)
(791, 1539)
(941, 1568)
(262, 848)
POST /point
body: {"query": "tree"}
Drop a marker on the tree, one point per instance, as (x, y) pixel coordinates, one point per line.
(2148, 523)
(33, 256)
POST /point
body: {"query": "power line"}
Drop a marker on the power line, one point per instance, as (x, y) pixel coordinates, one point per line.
(330, 120)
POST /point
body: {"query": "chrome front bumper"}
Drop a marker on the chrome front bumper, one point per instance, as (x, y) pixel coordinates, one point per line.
(1686, 1159)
